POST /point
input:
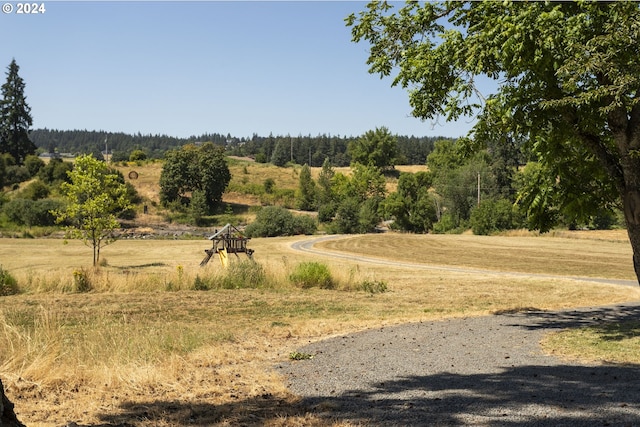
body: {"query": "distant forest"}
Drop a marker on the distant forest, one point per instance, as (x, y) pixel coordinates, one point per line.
(279, 150)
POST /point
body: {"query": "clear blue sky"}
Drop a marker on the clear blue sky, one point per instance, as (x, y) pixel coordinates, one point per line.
(188, 68)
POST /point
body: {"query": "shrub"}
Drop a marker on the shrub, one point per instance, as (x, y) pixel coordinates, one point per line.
(33, 164)
(81, 281)
(312, 275)
(55, 171)
(244, 274)
(32, 213)
(200, 284)
(447, 224)
(16, 174)
(137, 155)
(374, 286)
(304, 224)
(8, 284)
(269, 185)
(274, 221)
(346, 218)
(494, 215)
(36, 190)
(326, 212)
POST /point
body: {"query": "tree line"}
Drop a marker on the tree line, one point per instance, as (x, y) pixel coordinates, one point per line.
(278, 149)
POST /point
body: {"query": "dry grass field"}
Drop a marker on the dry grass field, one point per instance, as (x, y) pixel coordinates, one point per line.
(144, 348)
(140, 346)
(245, 174)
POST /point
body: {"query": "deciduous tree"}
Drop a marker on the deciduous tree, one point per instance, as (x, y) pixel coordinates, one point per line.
(95, 196)
(193, 168)
(376, 148)
(567, 76)
(411, 206)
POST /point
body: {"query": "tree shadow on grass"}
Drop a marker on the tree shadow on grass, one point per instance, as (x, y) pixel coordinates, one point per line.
(255, 411)
(561, 395)
(582, 317)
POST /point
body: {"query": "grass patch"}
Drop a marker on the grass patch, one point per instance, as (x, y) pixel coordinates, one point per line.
(8, 284)
(373, 286)
(312, 275)
(612, 343)
(243, 274)
(300, 356)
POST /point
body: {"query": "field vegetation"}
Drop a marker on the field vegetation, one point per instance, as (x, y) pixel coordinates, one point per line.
(151, 339)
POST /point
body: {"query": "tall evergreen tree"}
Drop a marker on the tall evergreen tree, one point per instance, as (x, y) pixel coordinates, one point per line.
(15, 117)
(306, 197)
(281, 153)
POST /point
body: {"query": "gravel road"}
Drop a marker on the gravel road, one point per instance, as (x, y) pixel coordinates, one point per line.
(481, 371)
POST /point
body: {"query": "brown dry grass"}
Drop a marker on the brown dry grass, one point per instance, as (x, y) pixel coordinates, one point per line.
(133, 352)
(609, 255)
(244, 172)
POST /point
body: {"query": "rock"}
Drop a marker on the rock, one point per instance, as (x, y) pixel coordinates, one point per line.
(7, 416)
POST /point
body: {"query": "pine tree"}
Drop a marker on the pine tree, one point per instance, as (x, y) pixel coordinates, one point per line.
(306, 197)
(281, 153)
(15, 117)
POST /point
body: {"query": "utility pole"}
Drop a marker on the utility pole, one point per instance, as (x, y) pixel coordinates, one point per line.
(478, 188)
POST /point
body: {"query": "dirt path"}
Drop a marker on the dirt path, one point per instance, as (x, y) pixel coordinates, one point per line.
(486, 371)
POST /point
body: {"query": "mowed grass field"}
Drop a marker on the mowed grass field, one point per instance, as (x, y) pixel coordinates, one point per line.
(144, 348)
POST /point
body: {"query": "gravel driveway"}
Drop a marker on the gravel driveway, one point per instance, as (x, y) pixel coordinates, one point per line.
(487, 371)
(483, 371)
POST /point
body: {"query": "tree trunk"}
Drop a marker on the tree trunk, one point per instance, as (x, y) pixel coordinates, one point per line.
(7, 416)
(631, 204)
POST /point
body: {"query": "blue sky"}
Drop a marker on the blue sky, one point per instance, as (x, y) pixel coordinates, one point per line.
(188, 68)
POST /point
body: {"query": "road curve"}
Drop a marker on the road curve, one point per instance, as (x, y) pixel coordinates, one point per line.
(481, 371)
(308, 246)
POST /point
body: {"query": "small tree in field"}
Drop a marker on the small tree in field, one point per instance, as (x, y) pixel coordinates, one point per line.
(95, 197)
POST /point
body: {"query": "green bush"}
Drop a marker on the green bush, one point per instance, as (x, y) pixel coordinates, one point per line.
(36, 190)
(16, 174)
(55, 171)
(8, 284)
(33, 164)
(274, 221)
(32, 212)
(269, 185)
(373, 286)
(326, 212)
(447, 224)
(312, 275)
(137, 155)
(494, 215)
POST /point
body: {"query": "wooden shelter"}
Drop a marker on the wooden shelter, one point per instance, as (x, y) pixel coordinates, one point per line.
(227, 240)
